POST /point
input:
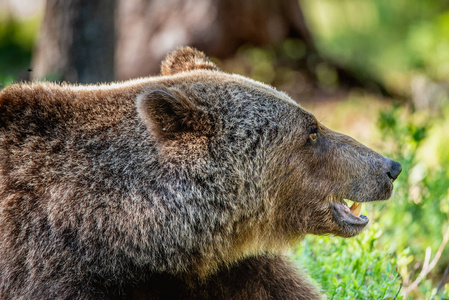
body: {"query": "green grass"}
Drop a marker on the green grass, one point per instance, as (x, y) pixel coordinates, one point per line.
(352, 268)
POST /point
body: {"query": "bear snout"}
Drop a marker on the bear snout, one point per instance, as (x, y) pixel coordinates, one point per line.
(394, 169)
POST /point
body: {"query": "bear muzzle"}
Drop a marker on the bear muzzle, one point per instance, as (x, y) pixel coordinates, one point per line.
(349, 219)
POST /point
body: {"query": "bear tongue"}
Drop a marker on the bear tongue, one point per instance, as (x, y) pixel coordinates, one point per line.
(356, 208)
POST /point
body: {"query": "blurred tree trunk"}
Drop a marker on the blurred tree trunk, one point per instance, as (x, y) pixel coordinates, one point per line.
(77, 41)
(148, 29)
(77, 37)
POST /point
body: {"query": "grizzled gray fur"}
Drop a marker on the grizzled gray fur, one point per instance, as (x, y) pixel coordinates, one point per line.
(189, 185)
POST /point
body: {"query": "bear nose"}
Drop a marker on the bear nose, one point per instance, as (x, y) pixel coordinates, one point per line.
(395, 170)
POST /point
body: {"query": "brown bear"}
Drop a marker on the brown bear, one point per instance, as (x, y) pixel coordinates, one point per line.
(188, 185)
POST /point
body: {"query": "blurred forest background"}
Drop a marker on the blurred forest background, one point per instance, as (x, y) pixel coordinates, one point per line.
(375, 69)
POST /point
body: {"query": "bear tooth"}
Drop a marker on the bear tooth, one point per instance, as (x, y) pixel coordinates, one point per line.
(356, 208)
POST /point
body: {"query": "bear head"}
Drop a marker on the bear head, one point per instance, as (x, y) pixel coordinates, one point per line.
(289, 174)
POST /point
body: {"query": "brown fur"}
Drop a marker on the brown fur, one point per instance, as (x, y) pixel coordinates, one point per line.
(261, 277)
(186, 180)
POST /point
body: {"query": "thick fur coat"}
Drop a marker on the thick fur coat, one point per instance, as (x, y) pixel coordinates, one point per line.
(182, 186)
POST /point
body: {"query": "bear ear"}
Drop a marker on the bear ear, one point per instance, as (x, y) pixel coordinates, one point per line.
(186, 59)
(170, 114)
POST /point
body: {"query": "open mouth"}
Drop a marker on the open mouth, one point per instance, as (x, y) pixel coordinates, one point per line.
(349, 217)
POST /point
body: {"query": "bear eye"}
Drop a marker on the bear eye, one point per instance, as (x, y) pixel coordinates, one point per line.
(313, 136)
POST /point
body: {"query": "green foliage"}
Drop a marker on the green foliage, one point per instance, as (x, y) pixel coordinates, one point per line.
(16, 44)
(422, 192)
(5, 80)
(387, 39)
(419, 212)
(352, 268)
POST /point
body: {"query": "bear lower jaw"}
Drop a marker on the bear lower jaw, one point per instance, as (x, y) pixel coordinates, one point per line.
(342, 213)
(349, 220)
